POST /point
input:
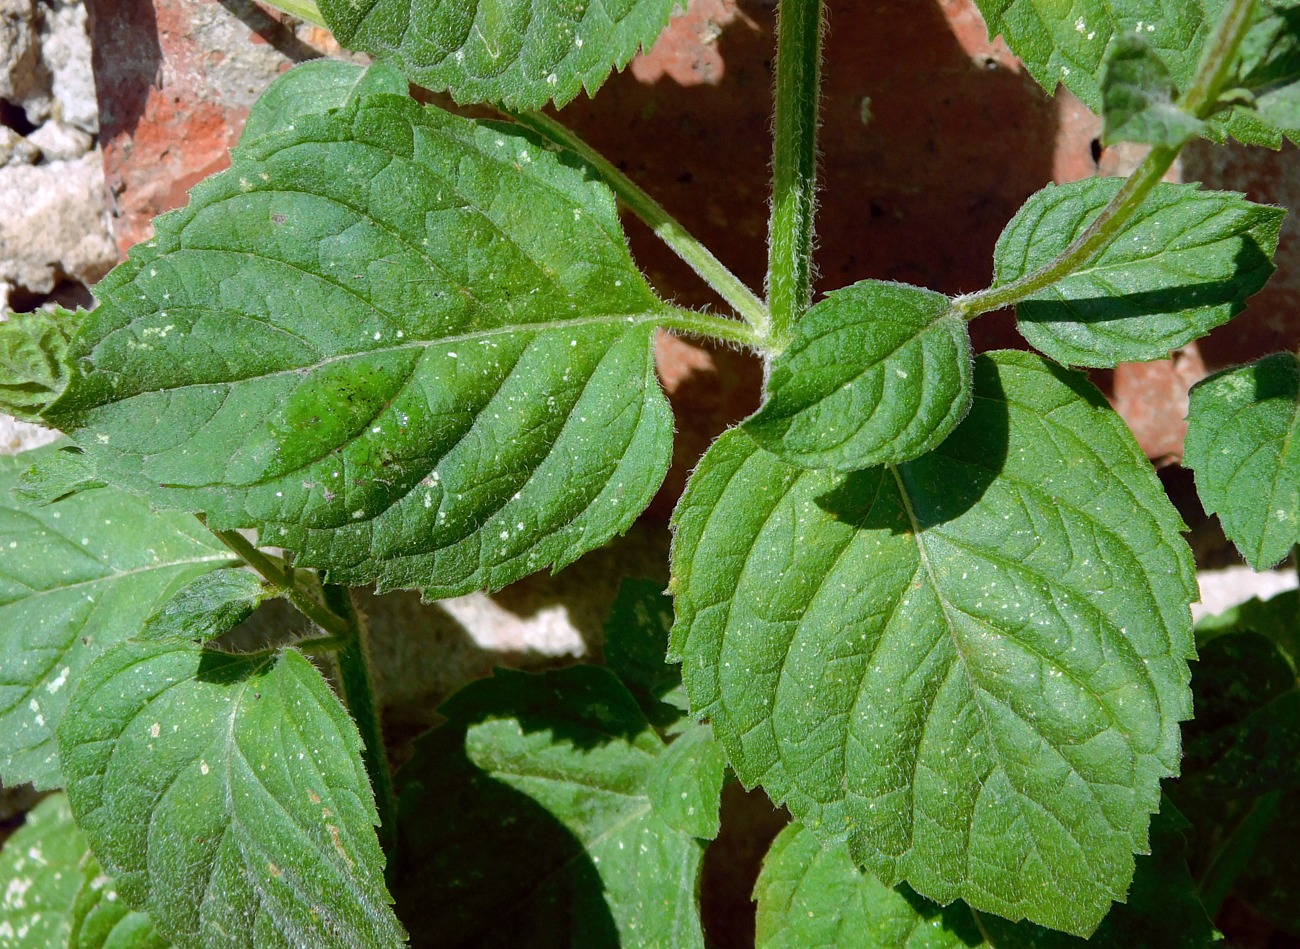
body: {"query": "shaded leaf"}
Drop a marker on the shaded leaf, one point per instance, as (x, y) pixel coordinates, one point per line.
(971, 666)
(1184, 263)
(444, 374)
(314, 87)
(1269, 881)
(54, 476)
(1264, 101)
(208, 607)
(1139, 98)
(636, 647)
(1274, 619)
(554, 769)
(1066, 42)
(876, 373)
(685, 785)
(34, 365)
(226, 796)
(519, 53)
(1241, 428)
(76, 577)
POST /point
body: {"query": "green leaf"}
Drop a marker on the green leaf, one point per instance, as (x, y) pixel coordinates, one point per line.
(1139, 98)
(53, 476)
(34, 365)
(1268, 67)
(102, 921)
(1183, 264)
(226, 796)
(519, 53)
(1269, 881)
(411, 347)
(1274, 619)
(40, 872)
(877, 373)
(636, 642)
(76, 577)
(971, 666)
(810, 897)
(554, 833)
(685, 785)
(1065, 41)
(314, 87)
(208, 607)
(1241, 428)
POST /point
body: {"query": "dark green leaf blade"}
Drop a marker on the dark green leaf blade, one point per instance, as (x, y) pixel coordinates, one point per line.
(1241, 439)
(552, 768)
(227, 797)
(34, 365)
(685, 785)
(636, 647)
(972, 666)
(877, 373)
(314, 87)
(444, 376)
(1066, 42)
(75, 577)
(1139, 98)
(208, 607)
(1183, 264)
(518, 53)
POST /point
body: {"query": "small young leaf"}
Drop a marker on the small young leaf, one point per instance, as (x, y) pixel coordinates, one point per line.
(208, 607)
(227, 797)
(76, 577)
(54, 476)
(685, 785)
(1183, 264)
(40, 869)
(971, 666)
(34, 360)
(1138, 98)
(636, 644)
(411, 347)
(1241, 435)
(1066, 43)
(552, 829)
(518, 53)
(314, 87)
(102, 921)
(877, 373)
(1268, 68)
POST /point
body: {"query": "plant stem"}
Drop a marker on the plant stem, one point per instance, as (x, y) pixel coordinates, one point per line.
(357, 686)
(666, 228)
(1199, 100)
(302, 9)
(794, 164)
(1234, 853)
(274, 574)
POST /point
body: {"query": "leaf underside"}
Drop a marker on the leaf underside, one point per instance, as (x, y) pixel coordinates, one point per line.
(558, 765)
(76, 576)
(877, 373)
(972, 666)
(227, 797)
(519, 53)
(1183, 264)
(410, 347)
(1241, 443)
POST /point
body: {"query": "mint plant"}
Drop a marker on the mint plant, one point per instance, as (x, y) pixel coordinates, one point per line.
(935, 604)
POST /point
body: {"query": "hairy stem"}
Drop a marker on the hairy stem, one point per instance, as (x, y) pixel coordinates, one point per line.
(357, 686)
(1235, 852)
(666, 228)
(794, 164)
(694, 323)
(280, 577)
(1199, 100)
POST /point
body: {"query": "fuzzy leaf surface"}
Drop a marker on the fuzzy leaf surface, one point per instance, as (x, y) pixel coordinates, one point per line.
(1139, 98)
(227, 798)
(34, 360)
(443, 375)
(1241, 443)
(972, 666)
(314, 87)
(557, 764)
(75, 577)
(685, 785)
(208, 607)
(518, 53)
(877, 373)
(40, 870)
(1065, 41)
(1183, 264)
(100, 920)
(54, 475)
